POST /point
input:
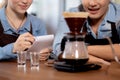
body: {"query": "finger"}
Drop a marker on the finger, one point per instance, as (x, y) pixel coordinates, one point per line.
(26, 46)
(44, 54)
(43, 58)
(27, 34)
(101, 61)
(26, 37)
(29, 39)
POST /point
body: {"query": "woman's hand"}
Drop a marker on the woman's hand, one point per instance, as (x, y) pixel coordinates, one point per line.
(23, 42)
(44, 54)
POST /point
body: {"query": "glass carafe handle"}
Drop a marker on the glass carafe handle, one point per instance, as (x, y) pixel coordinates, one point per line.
(113, 50)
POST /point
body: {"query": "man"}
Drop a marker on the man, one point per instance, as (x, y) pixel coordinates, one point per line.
(103, 21)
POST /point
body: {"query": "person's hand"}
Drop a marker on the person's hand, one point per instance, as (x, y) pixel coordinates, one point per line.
(44, 54)
(93, 59)
(23, 42)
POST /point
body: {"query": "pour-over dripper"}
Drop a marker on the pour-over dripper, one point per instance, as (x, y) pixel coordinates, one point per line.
(75, 21)
(75, 51)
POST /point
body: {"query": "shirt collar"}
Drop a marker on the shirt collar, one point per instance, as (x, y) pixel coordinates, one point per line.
(110, 16)
(27, 25)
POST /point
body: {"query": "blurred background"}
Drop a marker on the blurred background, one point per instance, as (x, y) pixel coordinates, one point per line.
(50, 11)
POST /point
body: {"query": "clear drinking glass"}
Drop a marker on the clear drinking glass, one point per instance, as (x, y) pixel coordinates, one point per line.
(34, 59)
(21, 58)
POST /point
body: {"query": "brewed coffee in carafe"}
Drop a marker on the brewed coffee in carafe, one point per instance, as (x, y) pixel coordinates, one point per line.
(75, 51)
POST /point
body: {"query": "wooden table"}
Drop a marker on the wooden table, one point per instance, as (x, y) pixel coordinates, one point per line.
(10, 71)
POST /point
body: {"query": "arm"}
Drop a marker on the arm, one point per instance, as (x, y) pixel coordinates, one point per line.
(104, 51)
(6, 52)
(62, 29)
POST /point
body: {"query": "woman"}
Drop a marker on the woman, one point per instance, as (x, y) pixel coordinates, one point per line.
(103, 21)
(18, 28)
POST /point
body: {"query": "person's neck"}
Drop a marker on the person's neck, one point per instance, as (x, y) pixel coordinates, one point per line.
(14, 15)
(15, 19)
(96, 22)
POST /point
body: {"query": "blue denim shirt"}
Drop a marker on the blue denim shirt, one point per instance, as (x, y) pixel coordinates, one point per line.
(38, 28)
(104, 30)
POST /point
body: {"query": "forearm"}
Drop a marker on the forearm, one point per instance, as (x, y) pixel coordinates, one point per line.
(6, 52)
(104, 51)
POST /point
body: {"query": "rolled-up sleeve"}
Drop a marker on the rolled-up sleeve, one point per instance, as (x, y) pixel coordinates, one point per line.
(6, 52)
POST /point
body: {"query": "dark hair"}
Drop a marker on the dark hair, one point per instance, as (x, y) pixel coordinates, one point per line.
(81, 8)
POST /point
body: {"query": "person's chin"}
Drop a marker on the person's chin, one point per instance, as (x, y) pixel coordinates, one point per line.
(94, 16)
(22, 11)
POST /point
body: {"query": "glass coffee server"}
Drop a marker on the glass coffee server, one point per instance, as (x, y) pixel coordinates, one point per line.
(75, 54)
(75, 51)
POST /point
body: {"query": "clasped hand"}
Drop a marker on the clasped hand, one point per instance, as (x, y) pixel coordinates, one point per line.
(23, 42)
